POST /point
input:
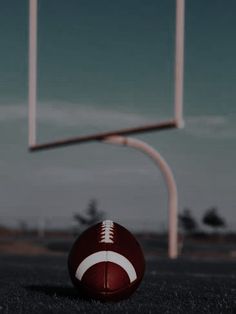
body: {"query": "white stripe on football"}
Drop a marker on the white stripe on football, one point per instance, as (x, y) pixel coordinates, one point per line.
(106, 256)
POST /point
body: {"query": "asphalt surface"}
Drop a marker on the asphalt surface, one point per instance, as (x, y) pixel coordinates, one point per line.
(42, 285)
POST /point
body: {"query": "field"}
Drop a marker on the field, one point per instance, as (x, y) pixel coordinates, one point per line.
(40, 284)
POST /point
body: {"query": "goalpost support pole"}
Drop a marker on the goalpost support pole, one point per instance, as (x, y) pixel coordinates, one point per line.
(170, 182)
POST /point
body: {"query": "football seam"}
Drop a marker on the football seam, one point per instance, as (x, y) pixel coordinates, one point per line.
(104, 292)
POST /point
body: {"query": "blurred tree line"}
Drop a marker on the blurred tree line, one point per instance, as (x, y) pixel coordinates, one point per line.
(90, 216)
(188, 223)
(210, 218)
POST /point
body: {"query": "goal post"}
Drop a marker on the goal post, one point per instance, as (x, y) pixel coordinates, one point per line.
(32, 88)
(179, 62)
(176, 122)
(119, 136)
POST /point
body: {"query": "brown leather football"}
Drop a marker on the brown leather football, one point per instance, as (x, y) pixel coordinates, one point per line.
(106, 262)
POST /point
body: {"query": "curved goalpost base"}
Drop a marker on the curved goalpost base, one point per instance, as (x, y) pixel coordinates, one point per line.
(170, 181)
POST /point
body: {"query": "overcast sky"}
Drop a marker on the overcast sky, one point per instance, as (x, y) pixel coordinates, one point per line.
(106, 64)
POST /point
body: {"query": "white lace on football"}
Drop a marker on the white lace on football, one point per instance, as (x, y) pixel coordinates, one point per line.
(107, 232)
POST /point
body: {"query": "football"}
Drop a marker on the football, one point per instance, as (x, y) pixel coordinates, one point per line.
(106, 262)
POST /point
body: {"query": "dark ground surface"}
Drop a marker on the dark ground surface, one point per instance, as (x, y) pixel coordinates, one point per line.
(41, 284)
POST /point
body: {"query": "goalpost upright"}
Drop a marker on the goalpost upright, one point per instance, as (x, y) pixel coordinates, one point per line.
(33, 26)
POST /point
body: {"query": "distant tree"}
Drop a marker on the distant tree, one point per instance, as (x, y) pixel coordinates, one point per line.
(91, 216)
(212, 219)
(187, 221)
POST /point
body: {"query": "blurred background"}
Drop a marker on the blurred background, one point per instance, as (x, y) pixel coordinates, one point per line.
(105, 65)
